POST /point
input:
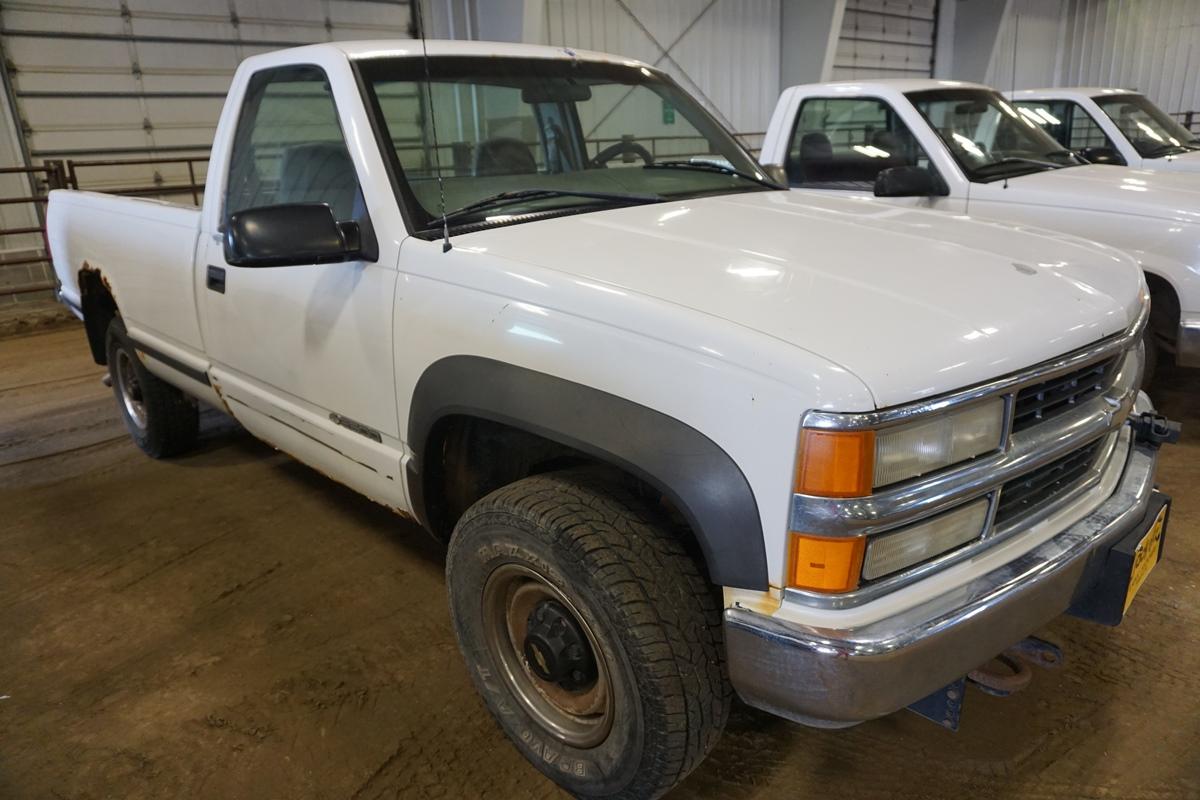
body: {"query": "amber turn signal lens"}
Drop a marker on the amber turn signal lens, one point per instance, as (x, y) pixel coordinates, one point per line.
(836, 463)
(825, 564)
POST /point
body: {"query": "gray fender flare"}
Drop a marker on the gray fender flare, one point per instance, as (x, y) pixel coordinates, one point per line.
(699, 478)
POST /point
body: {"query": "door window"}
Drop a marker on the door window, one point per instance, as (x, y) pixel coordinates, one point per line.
(289, 147)
(845, 142)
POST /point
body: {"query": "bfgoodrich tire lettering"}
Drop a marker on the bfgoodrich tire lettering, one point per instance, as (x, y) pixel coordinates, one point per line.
(162, 420)
(616, 561)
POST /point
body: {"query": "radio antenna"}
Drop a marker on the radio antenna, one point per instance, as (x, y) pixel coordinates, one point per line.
(1012, 87)
(1016, 37)
(437, 159)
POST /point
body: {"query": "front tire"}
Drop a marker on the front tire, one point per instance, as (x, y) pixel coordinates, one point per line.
(592, 634)
(162, 420)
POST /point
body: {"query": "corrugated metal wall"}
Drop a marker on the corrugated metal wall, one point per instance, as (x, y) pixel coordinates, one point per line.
(1149, 45)
(886, 39)
(103, 79)
(724, 52)
(1036, 28)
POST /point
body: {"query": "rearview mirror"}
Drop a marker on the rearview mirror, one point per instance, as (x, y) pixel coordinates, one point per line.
(287, 235)
(906, 182)
(1102, 155)
(556, 91)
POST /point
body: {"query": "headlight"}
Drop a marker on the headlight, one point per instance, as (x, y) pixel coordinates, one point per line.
(836, 463)
(891, 552)
(907, 451)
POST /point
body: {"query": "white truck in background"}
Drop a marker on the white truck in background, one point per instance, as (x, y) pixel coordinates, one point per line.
(1112, 126)
(963, 148)
(686, 432)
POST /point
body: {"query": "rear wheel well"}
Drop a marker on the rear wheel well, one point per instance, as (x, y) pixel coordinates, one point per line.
(467, 458)
(99, 309)
(1164, 311)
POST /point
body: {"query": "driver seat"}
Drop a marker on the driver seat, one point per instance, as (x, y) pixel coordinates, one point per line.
(504, 155)
(816, 157)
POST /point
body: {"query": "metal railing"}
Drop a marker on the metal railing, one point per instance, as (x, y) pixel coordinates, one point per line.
(51, 175)
(455, 158)
(159, 186)
(1189, 120)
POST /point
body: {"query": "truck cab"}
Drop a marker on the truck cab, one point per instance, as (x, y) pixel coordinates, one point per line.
(963, 148)
(1112, 126)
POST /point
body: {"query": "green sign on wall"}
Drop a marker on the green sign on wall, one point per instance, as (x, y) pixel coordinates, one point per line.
(668, 113)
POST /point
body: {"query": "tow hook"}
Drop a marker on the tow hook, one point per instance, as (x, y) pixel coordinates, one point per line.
(1009, 672)
(1005, 674)
(1154, 430)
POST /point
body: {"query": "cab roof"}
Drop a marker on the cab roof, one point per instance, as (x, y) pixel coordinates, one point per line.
(1067, 93)
(901, 85)
(401, 48)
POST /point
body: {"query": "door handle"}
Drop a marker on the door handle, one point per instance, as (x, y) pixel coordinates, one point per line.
(215, 279)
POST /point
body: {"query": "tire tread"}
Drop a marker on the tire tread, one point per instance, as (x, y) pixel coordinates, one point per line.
(663, 600)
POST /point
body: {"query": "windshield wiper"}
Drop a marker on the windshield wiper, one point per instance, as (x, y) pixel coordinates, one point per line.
(1033, 162)
(1164, 149)
(521, 195)
(712, 166)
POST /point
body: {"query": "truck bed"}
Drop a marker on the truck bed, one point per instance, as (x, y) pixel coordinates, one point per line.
(142, 249)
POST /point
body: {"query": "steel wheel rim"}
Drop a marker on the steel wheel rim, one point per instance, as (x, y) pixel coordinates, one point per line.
(580, 719)
(130, 389)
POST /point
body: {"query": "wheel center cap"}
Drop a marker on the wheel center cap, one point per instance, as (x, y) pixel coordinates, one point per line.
(556, 648)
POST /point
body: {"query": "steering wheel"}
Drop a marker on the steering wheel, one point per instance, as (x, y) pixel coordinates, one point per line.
(620, 148)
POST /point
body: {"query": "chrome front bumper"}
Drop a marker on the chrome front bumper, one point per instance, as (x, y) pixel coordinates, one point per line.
(833, 678)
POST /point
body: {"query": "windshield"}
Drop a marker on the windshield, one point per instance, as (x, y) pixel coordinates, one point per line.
(1151, 131)
(514, 136)
(988, 138)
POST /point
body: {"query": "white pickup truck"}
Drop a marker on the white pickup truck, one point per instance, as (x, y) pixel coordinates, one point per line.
(685, 432)
(1112, 126)
(963, 148)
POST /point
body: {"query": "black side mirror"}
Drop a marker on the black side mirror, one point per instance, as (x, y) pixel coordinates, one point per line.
(1102, 155)
(287, 235)
(906, 182)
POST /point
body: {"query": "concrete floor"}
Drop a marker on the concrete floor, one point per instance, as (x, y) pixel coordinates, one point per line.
(232, 625)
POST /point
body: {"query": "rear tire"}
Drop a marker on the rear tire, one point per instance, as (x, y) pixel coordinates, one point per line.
(162, 420)
(555, 569)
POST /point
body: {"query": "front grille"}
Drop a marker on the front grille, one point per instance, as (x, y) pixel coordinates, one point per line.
(1033, 490)
(1057, 395)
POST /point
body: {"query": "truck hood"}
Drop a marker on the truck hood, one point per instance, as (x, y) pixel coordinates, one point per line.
(1159, 194)
(914, 303)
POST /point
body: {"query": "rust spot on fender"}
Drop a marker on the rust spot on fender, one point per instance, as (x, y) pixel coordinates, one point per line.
(216, 387)
(88, 269)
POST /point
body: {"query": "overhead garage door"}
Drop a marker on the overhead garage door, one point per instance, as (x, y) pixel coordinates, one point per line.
(886, 39)
(99, 79)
